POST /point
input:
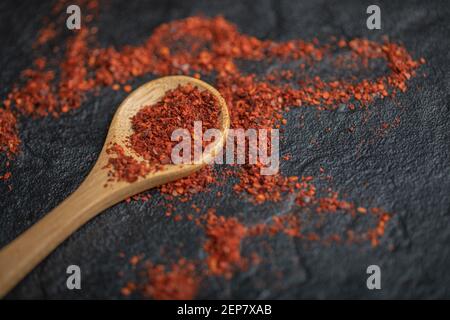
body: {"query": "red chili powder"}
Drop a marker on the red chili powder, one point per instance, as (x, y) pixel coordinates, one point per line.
(152, 130)
(213, 45)
(196, 182)
(9, 139)
(178, 282)
(46, 34)
(124, 167)
(178, 109)
(223, 244)
(225, 235)
(288, 224)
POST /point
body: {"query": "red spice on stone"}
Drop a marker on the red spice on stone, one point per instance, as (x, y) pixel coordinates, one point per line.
(223, 244)
(46, 34)
(9, 140)
(178, 282)
(225, 236)
(213, 45)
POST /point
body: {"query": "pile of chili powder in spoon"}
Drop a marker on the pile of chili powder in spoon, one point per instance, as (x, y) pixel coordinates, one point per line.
(153, 126)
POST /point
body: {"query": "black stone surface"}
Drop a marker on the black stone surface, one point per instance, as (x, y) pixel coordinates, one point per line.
(406, 171)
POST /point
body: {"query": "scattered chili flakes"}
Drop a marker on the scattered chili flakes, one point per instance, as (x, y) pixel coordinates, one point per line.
(46, 34)
(225, 236)
(134, 260)
(212, 46)
(178, 282)
(223, 244)
(128, 289)
(9, 139)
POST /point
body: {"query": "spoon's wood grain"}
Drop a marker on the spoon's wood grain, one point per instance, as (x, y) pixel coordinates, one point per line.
(92, 197)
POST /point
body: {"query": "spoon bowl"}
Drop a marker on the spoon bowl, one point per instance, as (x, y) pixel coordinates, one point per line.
(97, 193)
(121, 128)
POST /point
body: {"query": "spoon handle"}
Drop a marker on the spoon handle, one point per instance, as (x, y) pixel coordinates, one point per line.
(21, 255)
(25, 252)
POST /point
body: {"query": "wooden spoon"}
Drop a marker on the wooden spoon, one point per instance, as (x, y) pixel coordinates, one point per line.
(92, 197)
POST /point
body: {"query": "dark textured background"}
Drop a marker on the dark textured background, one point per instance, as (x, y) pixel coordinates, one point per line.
(405, 172)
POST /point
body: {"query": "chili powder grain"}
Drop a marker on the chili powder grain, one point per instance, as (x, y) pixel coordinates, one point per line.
(151, 138)
(178, 282)
(179, 108)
